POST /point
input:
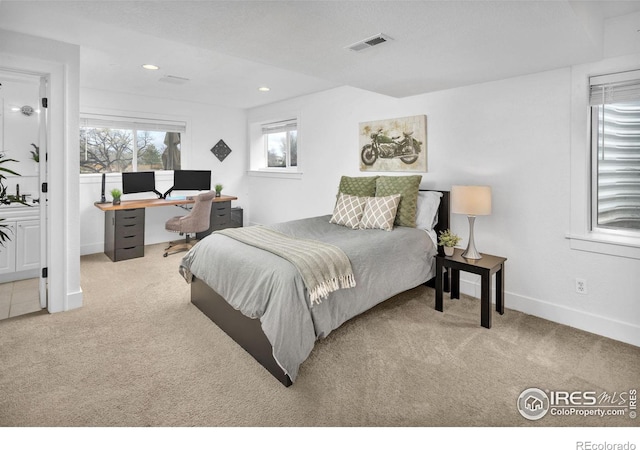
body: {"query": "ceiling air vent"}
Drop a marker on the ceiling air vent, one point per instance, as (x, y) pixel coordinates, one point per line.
(369, 42)
(172, 79)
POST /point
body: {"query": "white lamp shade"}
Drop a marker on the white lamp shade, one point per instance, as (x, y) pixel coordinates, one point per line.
(471, 200)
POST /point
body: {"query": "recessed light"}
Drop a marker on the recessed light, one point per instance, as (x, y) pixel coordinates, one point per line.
(264, 89)
(150, 67)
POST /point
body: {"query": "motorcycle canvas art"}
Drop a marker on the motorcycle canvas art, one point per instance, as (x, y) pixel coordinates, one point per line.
(394, 145)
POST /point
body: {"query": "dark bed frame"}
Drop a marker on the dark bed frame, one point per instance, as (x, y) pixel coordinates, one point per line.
(248, 332)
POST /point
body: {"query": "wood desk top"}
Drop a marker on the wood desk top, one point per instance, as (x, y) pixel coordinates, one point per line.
(151, 202)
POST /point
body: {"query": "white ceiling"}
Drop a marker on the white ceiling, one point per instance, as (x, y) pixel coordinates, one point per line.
(227, 49)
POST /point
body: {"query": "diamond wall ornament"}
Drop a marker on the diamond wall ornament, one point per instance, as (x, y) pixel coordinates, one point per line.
(221, 150)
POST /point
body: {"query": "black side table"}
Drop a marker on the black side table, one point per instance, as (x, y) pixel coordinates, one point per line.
(484, 267)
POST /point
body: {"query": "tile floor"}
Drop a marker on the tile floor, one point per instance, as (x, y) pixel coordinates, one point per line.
(19, 297)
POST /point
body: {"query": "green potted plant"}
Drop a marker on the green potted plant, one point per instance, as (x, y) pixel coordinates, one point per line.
(35, 154)
(116, 194)
(448, 240)
(218, 188)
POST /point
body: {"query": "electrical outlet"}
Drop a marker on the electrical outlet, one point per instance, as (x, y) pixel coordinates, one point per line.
(581, 286)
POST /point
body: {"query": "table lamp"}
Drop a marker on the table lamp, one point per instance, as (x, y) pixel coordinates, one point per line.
(472, 201)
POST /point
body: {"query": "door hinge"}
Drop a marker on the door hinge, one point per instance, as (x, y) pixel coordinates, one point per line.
(45, 102)
(45, 187)
(45, 272)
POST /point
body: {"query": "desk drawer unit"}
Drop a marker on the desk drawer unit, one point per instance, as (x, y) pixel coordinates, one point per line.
(124, 234)
(220, 218)
(221, 214)
(236, 218)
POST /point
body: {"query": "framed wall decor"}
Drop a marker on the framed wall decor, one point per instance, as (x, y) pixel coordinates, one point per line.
(394, 145)
(221, 150)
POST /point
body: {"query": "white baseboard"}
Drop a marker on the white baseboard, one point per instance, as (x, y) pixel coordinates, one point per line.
(90, 249)
(74, 300)
(593, 323)
(16, 276)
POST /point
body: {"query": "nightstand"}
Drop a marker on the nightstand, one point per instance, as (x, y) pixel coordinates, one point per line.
(485, 267)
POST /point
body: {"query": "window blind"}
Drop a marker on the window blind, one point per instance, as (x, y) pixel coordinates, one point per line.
(277, 127)
(616, 88)
(131, 123)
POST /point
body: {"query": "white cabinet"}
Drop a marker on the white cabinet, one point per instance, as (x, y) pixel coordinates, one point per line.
(27, 245)
(20, 255)
(8, 250)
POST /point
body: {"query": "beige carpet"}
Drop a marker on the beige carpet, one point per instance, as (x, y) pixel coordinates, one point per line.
(139, 354)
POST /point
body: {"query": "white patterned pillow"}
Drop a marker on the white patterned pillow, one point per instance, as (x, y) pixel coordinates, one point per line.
(380, 212)
(348, 210)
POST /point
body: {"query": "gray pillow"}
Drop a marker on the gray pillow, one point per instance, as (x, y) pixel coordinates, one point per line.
(427, 209)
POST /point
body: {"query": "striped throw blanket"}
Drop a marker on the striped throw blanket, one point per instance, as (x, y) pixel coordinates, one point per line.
(324, 267)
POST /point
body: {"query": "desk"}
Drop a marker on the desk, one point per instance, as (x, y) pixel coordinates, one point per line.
(484, 267)
(124, 223)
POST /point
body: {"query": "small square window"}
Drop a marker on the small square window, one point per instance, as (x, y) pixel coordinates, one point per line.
(281, 144)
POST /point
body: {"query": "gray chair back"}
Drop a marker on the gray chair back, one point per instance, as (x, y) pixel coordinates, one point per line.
(199, 217)
(201, 212)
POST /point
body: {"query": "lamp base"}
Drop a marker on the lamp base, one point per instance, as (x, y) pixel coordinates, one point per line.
(471, 252)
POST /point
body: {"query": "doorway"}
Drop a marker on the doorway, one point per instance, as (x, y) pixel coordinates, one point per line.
(23, 169)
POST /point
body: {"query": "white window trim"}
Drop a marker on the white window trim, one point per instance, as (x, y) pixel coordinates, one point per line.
(580, 236)
(275, 173)
(287, 130)
(257, 152)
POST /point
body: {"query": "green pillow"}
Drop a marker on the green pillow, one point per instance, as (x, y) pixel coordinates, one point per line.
(358, 186)
(408, 188)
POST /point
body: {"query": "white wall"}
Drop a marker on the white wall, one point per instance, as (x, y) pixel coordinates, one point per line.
(206, 125)
(514, 135)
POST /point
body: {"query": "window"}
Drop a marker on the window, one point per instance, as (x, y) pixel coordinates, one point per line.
(281, 144)
(273, 146)
(615, 152)
(121, 144)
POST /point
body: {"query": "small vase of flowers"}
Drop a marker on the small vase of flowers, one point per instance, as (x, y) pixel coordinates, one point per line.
(448, 240)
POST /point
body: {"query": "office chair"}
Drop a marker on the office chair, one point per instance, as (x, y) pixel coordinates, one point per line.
(194, 222)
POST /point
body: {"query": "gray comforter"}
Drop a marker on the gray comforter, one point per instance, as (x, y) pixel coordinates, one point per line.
(265, 286)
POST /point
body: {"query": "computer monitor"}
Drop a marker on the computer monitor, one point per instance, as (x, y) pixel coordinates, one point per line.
(136, 182)
(190, 180)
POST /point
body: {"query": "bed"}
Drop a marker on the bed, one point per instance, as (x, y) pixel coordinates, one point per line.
(260, 300)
